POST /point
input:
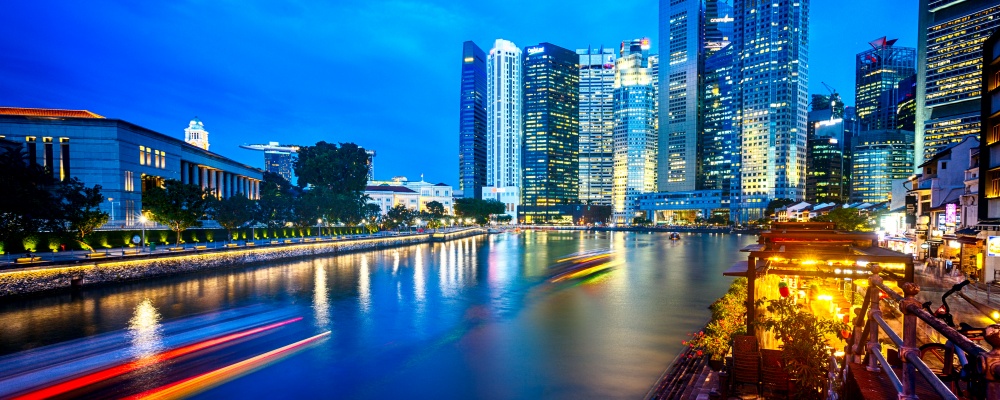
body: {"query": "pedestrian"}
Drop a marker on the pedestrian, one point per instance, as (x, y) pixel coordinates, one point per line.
(948, 266)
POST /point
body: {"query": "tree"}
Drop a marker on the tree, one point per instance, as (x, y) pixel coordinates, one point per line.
(233, 213)
(435, 209)
(177, 205)
(306, 209)
(775, 204)
(846, 219)
(275, 205)
(29, 202)
(81, 209)
(398, 216)
(337, 175)
(641, 221)
(718, 220)
(479, 210)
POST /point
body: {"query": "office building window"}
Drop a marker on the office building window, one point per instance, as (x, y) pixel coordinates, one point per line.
(142, 155)
(32, 150)
(64, 173)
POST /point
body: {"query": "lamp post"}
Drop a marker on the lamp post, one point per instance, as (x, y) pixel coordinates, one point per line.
(319, 227)
(111, 200)
(142, 220)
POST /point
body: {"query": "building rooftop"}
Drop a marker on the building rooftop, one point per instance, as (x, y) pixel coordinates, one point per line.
(388, 188)
(47, 112)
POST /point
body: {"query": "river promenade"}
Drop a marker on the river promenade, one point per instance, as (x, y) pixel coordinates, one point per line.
(65, 270)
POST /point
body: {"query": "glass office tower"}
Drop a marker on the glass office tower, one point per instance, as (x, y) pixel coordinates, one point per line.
(597, 78)
(635, 133)
(772, 59)
(878, 72)
(550, 158)
(949, 49)
(472, 123)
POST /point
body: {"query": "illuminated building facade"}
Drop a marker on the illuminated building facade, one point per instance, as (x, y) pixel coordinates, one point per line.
(825, 179)
(472, 123)
(718, 138)
(635, 134)
(551, 164)
(504, 128)
(124, 158)
(771, 56)
(878, 159)
(597, 78)
(989, 162)
(681, 46)
(949, 74)
(878, 72)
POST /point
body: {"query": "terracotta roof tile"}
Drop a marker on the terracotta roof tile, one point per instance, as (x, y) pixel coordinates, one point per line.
(47, 112)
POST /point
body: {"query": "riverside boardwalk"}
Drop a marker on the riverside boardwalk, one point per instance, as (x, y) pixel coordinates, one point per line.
(55, 271)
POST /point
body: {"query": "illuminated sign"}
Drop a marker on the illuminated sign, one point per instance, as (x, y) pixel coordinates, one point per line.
(469, 59)
(536, 50)
(645, 43)
(950, 211)
(723, 19)
(993, 246)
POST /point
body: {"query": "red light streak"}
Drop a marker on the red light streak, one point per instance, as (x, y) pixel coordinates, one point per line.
(190, 386)
(122, 369)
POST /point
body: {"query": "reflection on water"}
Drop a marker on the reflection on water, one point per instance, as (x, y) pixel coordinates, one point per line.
(144, 330)
(474, 318)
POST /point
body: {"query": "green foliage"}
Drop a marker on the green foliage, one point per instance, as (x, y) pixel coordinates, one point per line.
(718, 220)
(847, 219)
(478, 210)
(30, 243)
(340, 169)
(728, 320)
(81, 207)
(233, 213)
(274, 207)
(398, 216)
(177, 205)
(209, 236)
(804, 341)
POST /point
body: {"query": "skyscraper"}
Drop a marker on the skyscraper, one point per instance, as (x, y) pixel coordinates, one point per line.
(472, 123)
(717, 145)
(878, 72)
(504, 129)
(635, 133)
(277, 158)
(771, 53)
(681, 45)
(880, 157)
(551, 163)
(597, 78)
(949, 43)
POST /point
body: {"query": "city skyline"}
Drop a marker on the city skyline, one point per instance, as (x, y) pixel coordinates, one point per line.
(206, 61)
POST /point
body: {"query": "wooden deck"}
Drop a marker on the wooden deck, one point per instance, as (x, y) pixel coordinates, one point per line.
(863, 384)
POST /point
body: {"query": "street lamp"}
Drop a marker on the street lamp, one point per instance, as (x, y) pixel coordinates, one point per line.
(319, 227)
(142, 220)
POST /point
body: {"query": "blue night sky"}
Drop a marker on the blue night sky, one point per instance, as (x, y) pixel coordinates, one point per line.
(383, 74)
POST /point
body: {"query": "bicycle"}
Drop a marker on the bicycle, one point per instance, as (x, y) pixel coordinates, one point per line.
(948, 361)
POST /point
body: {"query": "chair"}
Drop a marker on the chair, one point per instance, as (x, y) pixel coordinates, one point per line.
(775, 379)
(746, 361)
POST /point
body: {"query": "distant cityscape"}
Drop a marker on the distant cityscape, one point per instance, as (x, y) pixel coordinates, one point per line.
(724, 125)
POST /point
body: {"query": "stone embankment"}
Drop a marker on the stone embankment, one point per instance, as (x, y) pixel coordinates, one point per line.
(55, 277)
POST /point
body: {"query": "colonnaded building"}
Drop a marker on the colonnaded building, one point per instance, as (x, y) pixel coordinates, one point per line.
(124, 158)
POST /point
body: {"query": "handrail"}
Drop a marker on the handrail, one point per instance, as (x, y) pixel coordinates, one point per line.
(866, 340)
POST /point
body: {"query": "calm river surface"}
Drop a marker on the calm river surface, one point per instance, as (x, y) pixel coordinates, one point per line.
(473, 318)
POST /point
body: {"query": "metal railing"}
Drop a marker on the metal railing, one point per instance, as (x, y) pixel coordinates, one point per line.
(865, 340)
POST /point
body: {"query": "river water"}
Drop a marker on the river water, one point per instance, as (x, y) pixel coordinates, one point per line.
(472, 318)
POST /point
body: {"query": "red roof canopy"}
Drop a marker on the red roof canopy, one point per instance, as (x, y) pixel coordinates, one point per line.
(47, 112)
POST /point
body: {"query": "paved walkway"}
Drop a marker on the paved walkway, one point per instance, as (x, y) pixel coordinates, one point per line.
(8, 261)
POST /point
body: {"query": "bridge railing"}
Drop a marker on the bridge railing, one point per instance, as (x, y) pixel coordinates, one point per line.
(869, 324)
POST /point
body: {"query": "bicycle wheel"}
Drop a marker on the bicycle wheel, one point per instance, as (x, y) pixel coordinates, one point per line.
(933, 354)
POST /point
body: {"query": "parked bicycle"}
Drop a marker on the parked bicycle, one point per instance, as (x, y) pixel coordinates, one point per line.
(948, 361)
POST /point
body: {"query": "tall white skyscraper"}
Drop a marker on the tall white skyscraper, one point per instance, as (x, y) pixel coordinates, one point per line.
(681, 39)
(504, 130)
(503, 113)
(771, 56)
(635, 134)
(597, 78)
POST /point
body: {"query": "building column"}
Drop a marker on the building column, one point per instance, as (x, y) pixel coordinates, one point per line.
(256, 190)
(183, 174)
(202, 177)
(245, 185)
(226, 186)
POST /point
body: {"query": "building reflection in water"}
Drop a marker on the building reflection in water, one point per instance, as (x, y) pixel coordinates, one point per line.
(146, 335)
(364, 284)
(419, 286)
